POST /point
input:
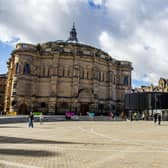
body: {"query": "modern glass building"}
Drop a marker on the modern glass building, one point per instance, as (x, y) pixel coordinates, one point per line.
(147, 102)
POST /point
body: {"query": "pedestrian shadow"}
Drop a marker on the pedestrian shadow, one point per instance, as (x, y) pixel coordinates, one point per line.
(6, 126)
(31, 153)
(163, 124)
(7, 139)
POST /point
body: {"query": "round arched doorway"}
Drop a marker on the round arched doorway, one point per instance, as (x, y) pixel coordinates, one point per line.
(23, 109)
(85, 99)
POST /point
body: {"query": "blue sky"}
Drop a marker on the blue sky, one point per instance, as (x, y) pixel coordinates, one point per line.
(132, 30)
(5, 51)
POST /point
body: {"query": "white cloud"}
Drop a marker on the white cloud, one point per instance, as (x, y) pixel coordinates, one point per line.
(133, 30)
(36, 20)
(149, 61)
(140, 36)
(98, 2)
(120, 5)
(5, 33)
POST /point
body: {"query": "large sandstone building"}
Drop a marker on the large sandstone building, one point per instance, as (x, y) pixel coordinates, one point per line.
(61, 76)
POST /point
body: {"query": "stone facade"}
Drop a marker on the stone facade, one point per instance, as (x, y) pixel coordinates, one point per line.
(56, 77)
(3, 78)
(161, 87)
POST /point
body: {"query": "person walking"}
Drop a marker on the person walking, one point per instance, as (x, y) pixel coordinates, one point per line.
(135, 116)
(31, 119)
(155, 117)
(159, 119)
(41, 118)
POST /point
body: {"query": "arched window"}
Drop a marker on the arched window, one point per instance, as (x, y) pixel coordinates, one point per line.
(102, 76)
(81, 73)
(70, 72)
(87, 75)
(97, 75)
(99, 78)
(64, 105)
(114, 79)
(43, 73)
(49, 71)
(60, 72)
(17, 68)
(43, 104)
(111, 77)
(26, 69)
(126, 80)
(14, 102)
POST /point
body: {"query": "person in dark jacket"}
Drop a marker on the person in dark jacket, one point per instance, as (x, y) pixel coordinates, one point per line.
(31, 119)
(155, 118)
(159, 119)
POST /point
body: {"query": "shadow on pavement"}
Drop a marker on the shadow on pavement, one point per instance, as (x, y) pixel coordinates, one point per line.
(32, 153)
(7, 139)
(6, 126)
(163, 125)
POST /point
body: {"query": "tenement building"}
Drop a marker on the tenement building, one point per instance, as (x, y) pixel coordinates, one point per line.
(61, 76)
(3, 78)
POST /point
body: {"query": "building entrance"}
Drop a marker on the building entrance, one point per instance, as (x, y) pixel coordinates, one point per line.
(84, 108)
(23, 109)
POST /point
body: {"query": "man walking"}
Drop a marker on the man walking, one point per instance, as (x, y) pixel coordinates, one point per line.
(31, 119)
(159, 118)
(155, 118)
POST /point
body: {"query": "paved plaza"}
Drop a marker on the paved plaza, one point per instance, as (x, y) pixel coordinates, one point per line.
(87, 144)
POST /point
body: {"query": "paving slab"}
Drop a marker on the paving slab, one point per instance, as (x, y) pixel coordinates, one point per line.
(84, 144)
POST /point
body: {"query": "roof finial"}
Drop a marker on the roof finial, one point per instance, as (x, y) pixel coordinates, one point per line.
(74, 25)
(73, 34)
